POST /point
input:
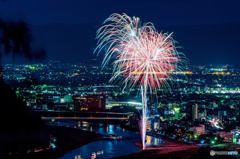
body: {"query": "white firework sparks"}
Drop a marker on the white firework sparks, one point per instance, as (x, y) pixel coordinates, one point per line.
(142, 56)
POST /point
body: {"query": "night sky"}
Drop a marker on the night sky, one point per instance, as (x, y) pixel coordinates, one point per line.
(208, 30)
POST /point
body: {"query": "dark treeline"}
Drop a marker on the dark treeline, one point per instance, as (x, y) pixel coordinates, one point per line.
(15, 40)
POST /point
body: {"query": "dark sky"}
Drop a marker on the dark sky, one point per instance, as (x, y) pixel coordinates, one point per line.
(208, 30)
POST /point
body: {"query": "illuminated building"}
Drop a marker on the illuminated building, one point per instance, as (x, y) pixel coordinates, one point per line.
(195, 112)
(199, 129)
(236, 136)
(111, 104)
(89, 102)
(226, 136)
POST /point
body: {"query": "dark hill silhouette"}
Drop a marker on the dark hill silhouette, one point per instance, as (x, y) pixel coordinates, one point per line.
(15, 39)
(13, 114)
(18, 127)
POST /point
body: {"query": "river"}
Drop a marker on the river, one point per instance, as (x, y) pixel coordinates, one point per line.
(124, 144)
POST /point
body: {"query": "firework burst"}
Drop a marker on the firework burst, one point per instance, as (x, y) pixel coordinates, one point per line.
(142, 56)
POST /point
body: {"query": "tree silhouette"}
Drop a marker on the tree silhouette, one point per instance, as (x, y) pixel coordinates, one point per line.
(15, 39)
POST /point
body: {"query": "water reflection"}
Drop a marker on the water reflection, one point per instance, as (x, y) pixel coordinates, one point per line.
(153, 141)
(103, 149)
(107, 148)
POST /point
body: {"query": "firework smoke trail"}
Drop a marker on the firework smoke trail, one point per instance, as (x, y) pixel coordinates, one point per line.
(142, 56)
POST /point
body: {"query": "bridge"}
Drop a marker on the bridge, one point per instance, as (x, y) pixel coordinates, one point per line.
(86, 116)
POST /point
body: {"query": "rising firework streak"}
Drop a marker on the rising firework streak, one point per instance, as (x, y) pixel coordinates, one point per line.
(142, 56)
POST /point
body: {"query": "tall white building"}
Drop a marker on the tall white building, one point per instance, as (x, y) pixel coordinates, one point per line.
(195, 112)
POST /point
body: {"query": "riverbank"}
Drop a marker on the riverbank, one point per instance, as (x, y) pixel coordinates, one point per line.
(172, 150)
(184, 154)
(68, 139)
(36, 144)
(117, 142)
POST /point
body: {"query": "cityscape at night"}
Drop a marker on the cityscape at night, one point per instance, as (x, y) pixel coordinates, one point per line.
(124, 80)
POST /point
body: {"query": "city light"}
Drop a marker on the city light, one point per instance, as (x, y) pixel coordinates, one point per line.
(216, 123)
(102, 79)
